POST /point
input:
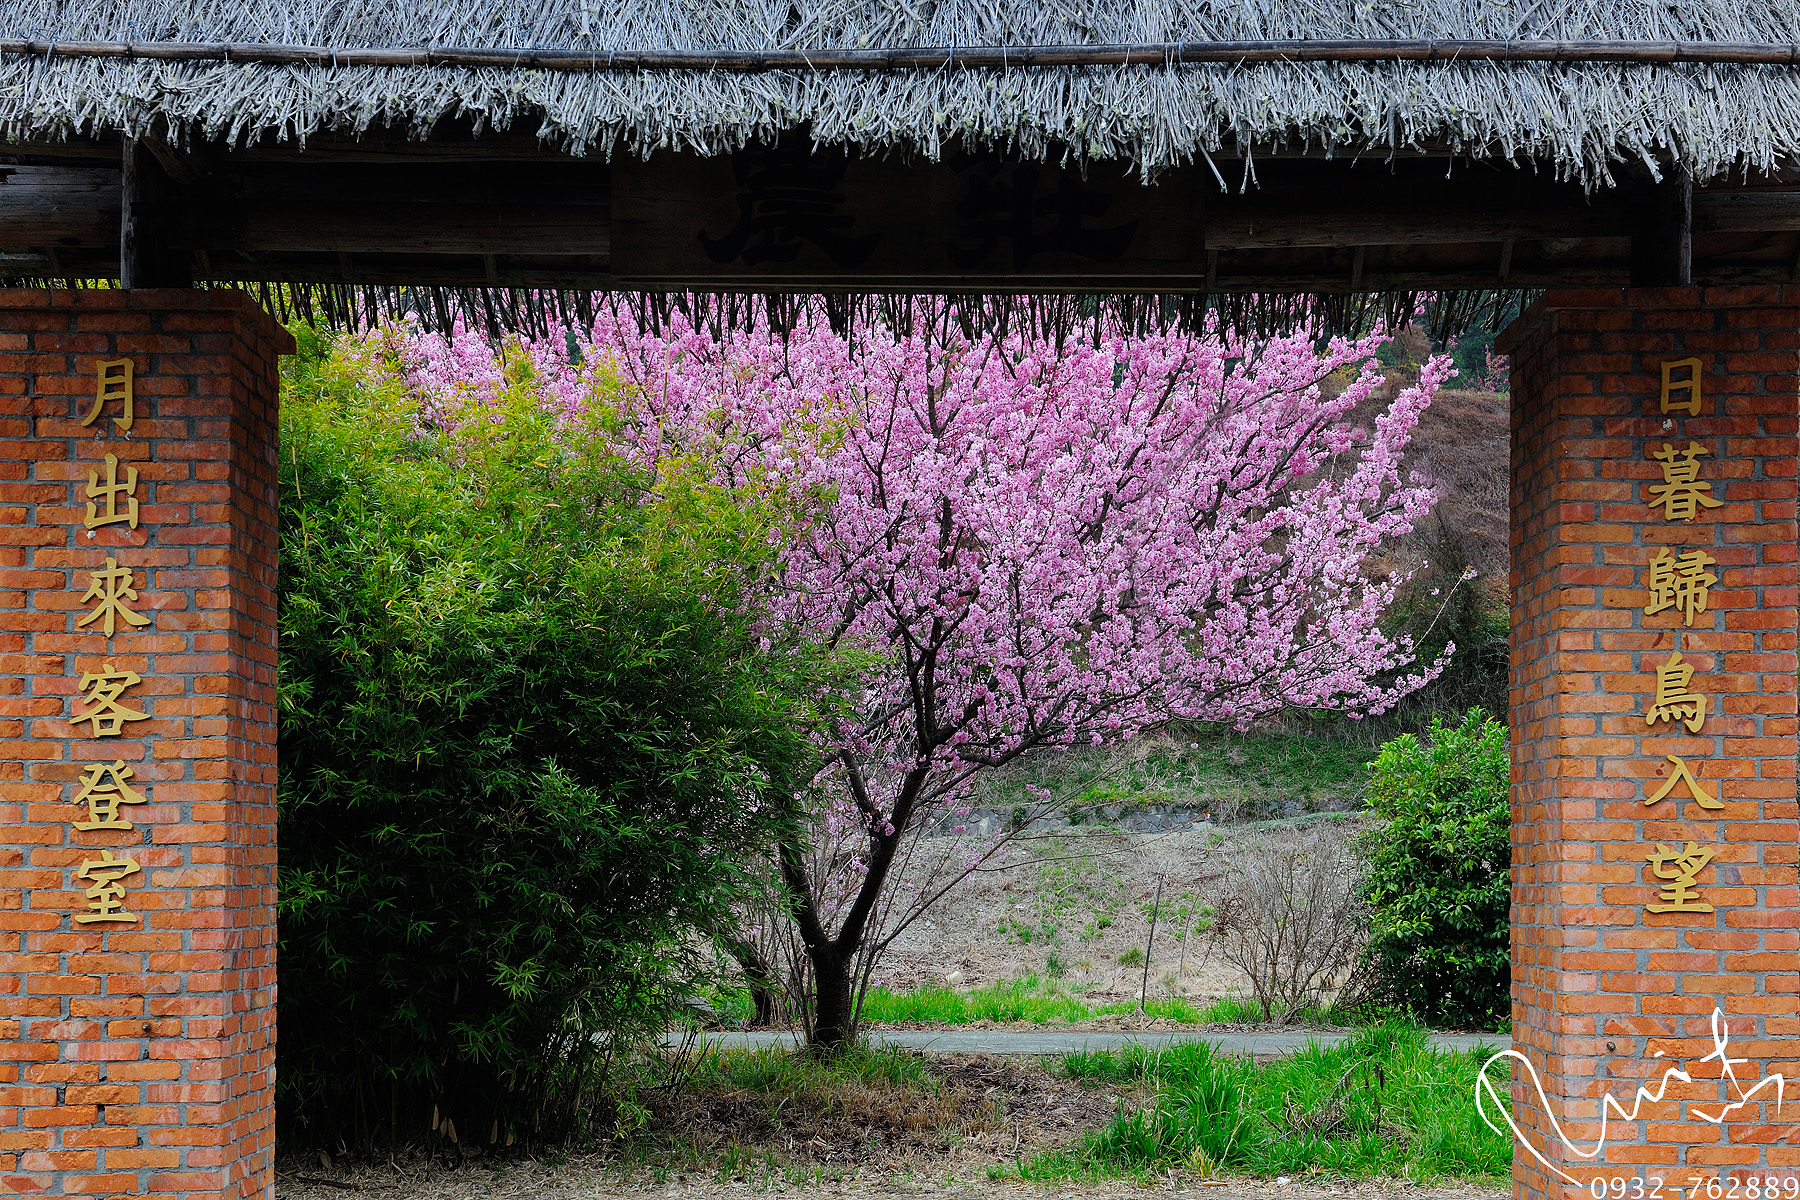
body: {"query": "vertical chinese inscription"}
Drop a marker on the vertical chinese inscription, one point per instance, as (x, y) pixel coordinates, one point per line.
(1680, 870)
(1681, 582)
(113, 381)
(1681, 394)
(112, 588)
(105, 706)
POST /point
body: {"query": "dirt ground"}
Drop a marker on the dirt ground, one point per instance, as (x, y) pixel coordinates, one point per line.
(983, 1111)
(1074, 915)
(575, 1180)
(984, 1114)
(1006, 925)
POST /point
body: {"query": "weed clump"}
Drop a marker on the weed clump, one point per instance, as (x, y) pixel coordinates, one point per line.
(1384, 1103)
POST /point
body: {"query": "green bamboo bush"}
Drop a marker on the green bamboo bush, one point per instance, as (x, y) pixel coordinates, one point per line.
(526, 730)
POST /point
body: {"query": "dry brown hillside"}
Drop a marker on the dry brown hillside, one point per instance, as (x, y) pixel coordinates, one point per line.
(1462, 445)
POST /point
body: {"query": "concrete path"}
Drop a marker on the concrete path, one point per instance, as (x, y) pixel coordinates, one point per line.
(1051, 1041)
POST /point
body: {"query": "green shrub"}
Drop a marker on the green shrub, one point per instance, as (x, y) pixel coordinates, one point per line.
(525, 726)
(1439, 874)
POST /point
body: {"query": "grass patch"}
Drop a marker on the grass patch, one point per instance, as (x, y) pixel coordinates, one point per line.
(779, 1073)
(1212, 768)
(1382, 1104)
(1022, 1001)
(1158, 1010)
(1036, 1001)
(1027, 1001)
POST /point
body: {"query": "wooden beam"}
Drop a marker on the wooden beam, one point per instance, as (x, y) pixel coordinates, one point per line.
(1440, 51)
(1595, 262)
(769, 214)
(1240, 227)
(1759, 211)
(146, 259)
(455, 229)
(418, 208)
(134, 205)
(828, 223)
(64, 207)
(1662, 237)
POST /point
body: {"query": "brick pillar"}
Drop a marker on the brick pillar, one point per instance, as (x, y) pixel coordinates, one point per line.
(1601, 984)
(137, 1003)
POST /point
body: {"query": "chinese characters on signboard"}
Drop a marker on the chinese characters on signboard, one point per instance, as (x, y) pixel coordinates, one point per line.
(1680, 582)
(105, 706)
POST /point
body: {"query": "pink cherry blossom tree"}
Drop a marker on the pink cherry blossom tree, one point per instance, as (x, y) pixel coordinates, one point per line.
(1022, 542)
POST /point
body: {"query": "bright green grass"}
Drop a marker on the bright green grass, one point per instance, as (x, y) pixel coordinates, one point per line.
(1032, 1001)
(1408, 1111)
(1035, 1001)
(1026, 1001)
(1022, 1001)
(777, 1071)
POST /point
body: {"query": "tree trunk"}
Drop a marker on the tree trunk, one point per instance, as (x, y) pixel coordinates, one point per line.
(763, 996)
(832, 1026)
(757, 976)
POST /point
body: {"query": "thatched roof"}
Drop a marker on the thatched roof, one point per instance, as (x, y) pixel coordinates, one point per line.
(1582, 120)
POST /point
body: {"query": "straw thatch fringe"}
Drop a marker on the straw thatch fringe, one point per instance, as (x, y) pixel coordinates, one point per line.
(537, 313)
(1582, 121)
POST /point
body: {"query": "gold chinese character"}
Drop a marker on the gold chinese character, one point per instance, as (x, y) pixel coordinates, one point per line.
(1683, 775)
(1690, 385)
(108, 715)
(114, 383)
(103, 788)
(106, 895)
(1681, 489)
(109, 491)
(1673, 700)
(1680, 582)
(1679, 869)
(112, 587)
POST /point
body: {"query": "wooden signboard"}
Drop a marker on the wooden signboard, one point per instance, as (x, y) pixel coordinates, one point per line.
(769, 216)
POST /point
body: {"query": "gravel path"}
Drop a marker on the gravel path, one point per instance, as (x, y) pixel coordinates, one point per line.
(1051, 1041)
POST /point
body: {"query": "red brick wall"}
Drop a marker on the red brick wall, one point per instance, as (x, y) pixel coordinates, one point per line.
(139, 1057)
(1601, 985)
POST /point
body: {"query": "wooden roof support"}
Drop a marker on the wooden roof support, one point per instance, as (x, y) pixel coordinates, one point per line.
(983, 225)
(1662, 239)
(146, 258)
